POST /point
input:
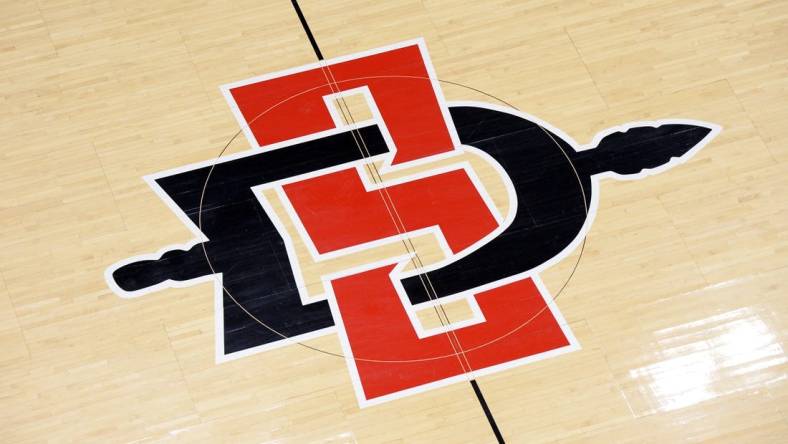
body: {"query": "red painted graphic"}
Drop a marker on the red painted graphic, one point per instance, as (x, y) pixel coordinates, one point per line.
(338, 212)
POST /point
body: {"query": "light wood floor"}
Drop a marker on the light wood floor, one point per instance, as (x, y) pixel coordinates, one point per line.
(680, 302)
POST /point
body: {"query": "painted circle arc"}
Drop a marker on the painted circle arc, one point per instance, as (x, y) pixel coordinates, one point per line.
(581, 195)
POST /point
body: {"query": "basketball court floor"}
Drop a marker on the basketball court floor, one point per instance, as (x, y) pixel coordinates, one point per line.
(343, 221)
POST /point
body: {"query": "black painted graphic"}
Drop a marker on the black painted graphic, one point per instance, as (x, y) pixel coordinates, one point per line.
(552, 185)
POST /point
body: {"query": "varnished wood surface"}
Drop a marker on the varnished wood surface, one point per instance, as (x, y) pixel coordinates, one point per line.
(679, 302)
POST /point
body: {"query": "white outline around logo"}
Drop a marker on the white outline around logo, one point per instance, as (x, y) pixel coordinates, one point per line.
(397, 273)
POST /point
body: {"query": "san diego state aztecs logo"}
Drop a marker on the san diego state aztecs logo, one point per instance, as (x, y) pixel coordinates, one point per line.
(334, 226)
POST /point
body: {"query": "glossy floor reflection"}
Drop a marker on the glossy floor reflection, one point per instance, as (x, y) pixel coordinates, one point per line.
(708, 358)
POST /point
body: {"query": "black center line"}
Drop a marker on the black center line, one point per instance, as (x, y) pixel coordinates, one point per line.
(474, 385)
(308, 31)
